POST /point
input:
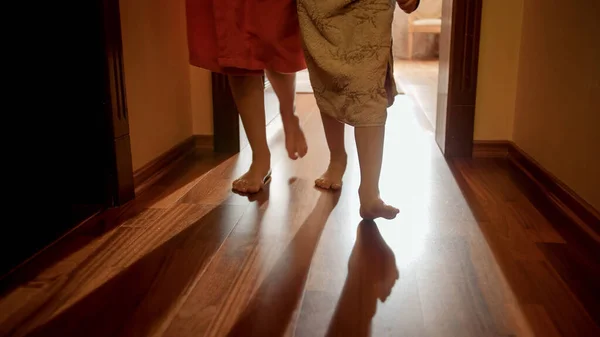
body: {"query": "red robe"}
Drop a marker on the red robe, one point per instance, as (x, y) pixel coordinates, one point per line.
(244, 37)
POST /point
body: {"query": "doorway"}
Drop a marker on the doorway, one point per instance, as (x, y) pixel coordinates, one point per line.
(416, 55)
(98, 172)
(458, 54)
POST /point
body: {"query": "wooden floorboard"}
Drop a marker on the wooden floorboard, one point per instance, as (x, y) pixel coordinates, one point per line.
(472, 253)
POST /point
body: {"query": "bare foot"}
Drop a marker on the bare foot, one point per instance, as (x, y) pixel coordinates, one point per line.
(257, 176)
(376, 208)
(295, 142)
(332, 178)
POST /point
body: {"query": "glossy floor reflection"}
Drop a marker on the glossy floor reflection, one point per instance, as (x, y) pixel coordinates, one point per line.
(469, 254)
(372, 273)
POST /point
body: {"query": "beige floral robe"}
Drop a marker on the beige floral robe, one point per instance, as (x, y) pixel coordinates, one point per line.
(348, 50)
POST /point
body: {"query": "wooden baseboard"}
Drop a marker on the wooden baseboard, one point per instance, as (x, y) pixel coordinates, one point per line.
(149, 173)
(491, 149)
(559, 195)
(556, 192)
(204, 142)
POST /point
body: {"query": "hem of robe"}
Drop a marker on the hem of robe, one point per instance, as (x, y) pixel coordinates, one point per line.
(391, 91)
(236, 67)
(357, 124)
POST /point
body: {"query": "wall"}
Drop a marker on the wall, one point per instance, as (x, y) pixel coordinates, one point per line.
(159, 81)
(201, 94)
(498, 69)
(557, 108)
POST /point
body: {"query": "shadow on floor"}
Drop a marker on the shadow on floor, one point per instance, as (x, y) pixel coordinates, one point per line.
(372, 273)
(272, 307)
(185, 172)
(139, 297)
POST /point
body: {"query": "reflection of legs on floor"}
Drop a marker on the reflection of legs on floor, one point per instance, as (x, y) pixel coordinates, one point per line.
(248, 93)
(284, 86)
(372, 273)
(334, 133)
(369, 145)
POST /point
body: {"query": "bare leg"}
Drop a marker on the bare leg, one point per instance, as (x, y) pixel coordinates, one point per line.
(285, 89)
(334, 132)
(249, 97)
(369, 145)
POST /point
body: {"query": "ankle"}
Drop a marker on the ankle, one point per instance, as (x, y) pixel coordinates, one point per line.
(368, 194)
(338, 157)
(263, 156)
(289, 118)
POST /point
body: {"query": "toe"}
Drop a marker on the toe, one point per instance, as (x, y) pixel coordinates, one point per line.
(303, 151)
(381, 210)
(390, 212)
(236, 185)
(240, 185)
(323, 183)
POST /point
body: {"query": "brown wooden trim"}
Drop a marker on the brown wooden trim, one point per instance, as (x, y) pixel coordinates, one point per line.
(121, 174)
(457, 88)
(96, 95)
(204, 142)
(144, 176)
(491, 149)
(123, 179)
(556, 192)
(152, 171)
(226, 123)
(549, 186)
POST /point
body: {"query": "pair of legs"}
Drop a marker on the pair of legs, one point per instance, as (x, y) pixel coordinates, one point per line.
(369, 145)
(248, 93)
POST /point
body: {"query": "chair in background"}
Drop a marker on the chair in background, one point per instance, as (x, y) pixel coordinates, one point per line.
(426, 19)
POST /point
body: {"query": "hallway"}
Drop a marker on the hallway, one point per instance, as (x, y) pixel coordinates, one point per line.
(469, 254)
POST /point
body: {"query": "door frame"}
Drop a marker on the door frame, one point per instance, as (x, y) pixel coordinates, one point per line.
(457, 87)
(120, 171)
(117, 172)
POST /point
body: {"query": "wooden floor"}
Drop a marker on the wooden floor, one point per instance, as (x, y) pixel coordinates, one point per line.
(419, 79)
(469, 254)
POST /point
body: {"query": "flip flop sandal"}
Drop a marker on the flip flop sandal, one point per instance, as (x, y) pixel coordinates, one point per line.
(266, 180)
